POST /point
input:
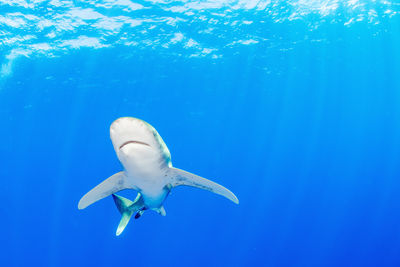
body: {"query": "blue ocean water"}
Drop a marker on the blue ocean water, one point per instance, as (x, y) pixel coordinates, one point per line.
(293, 105)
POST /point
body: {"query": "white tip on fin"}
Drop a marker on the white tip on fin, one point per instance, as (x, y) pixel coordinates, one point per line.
(161, 211)
(127, 207)
(180, 177)
(109, 186)
(126, 216)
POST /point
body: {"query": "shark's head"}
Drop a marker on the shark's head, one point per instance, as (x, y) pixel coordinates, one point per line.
(130, 135)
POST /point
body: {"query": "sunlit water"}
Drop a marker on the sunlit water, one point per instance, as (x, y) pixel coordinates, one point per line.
(183, 28)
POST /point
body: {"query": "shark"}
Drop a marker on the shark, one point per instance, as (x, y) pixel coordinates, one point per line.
(147, 169)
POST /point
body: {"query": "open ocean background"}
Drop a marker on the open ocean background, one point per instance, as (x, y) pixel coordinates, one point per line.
(293, 105)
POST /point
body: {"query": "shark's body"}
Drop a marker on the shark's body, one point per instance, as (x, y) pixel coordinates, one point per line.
(147, 169)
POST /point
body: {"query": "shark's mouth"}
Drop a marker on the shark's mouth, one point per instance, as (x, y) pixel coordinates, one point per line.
(133, 142)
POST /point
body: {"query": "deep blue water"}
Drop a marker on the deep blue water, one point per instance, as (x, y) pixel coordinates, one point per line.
(294, 106)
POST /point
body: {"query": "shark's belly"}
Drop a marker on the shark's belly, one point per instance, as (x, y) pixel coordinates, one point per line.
(156, 200)
(153, 190)
(142, 162)
(147, 172)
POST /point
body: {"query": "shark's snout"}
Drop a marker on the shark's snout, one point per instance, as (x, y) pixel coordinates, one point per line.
(127, 130)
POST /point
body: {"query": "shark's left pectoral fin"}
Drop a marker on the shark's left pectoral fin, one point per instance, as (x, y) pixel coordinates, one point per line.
(109, 186)
(180, 177)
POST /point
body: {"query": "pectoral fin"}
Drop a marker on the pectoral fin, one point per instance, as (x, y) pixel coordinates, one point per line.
(180, 177)
(109, 186)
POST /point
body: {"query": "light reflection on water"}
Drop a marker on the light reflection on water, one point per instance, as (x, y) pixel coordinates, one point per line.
(190, 28)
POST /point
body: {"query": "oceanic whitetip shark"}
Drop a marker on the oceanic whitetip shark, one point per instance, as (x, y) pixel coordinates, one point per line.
(147, 169)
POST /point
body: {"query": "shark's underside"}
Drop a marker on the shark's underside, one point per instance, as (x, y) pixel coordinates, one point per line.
(147, 169)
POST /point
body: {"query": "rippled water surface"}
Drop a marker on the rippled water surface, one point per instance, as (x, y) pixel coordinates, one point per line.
(188, 28)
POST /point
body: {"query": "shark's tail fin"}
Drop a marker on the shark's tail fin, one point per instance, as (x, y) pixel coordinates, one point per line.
(127, 207)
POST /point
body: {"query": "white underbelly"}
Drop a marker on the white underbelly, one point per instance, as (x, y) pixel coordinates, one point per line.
(153, 189)
(140, 160)
(146, 171)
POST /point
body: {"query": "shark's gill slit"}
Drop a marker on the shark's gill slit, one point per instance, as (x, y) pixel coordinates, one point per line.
(133, 142)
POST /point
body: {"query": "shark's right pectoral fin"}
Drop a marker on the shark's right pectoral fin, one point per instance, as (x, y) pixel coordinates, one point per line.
(115, 183)
(180, 177)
